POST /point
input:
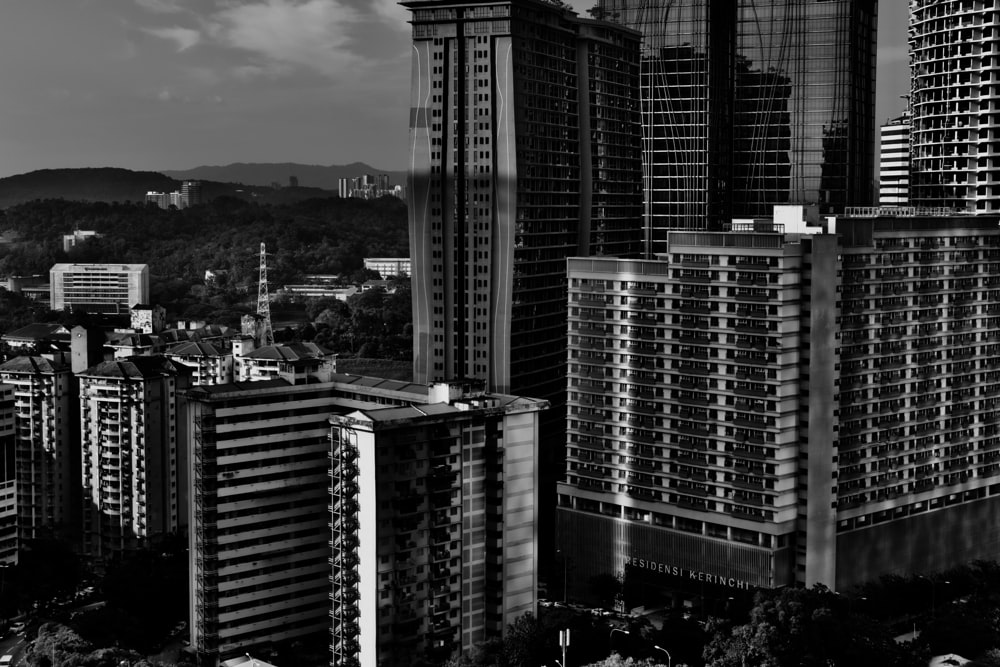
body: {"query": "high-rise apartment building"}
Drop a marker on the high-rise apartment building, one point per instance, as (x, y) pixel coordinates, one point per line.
(259, 542)
(134, 464)
(954, 85)
(767, 408)
(751, 103)
(434, 539)
(47, 456)
(524, 133)
(894, 162)
(9, 541)
(431, 513)
(98, 288)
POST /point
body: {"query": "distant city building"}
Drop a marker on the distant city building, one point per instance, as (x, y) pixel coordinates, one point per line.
(955, 149)
(726, 131)
(8, 478)
(367, 186)
(317, 292)
(47, 437)
(78, 236)
(434, 538)
(788, 407)
(894, 163)
(190, 194)
(389, 266)
(161, 199)
(134, 467)
(99, 288)
(18, 284)
(385, 285)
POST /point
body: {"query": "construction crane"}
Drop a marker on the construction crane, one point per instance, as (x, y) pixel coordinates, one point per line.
(265, 332)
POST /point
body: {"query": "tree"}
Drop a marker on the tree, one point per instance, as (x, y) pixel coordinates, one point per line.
(796, 627)
(615, 660)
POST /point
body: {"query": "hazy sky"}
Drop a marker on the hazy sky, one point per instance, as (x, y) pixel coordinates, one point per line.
(173, 84)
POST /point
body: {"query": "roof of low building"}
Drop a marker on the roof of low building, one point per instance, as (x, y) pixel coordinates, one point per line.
(27, 364)
(137, 367)
(193, 348)
(289, 352)
(420, 390)
(39, 331)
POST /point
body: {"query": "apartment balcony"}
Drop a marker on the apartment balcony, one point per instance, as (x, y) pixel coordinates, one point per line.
(749, 513)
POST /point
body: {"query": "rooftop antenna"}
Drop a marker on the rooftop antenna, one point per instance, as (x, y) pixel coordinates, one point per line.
(263, 302)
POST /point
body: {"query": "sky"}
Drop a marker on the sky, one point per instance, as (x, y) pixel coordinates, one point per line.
(175, 84)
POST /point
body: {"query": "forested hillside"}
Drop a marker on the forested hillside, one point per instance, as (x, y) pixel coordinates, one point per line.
(330, 236)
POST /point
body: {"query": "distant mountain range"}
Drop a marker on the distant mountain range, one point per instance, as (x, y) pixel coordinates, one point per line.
(265, 174)
(248, 181)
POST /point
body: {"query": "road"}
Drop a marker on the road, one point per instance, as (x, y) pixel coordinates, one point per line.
(15, 646)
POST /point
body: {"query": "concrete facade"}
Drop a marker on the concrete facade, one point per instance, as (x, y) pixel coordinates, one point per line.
(765, 409)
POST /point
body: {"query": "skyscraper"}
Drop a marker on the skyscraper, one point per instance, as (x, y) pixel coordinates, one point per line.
(954, 86)
(751, 103)
(524, 131)
(524, 151)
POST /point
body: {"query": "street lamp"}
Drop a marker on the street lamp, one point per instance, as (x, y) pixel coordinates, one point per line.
(614, 630)
(563, 558)
(933, 601)
(669, 659)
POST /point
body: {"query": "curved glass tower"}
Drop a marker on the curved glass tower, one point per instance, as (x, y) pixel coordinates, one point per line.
(955, 99)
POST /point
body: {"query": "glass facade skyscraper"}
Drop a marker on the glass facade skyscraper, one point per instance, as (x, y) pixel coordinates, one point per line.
(751, 103)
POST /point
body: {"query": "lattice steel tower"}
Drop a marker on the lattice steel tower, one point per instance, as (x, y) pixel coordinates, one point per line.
(263, 302)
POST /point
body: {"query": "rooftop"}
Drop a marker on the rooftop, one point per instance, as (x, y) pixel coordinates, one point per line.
(289, 352)
(33, 365)
(138, 367)
(39, 331)
(193, 348)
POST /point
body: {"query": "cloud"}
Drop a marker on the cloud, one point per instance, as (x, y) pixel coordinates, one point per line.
(183, 38)
(395, 14)
(160, 6)
(315, 34)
